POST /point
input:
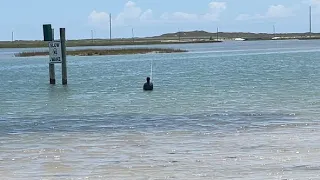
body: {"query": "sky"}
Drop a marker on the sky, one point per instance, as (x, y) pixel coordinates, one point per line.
(83, 18)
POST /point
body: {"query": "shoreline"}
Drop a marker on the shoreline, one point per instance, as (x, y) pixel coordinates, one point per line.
(104, 52)
(84, 43)
(181, 37)
(105, 43)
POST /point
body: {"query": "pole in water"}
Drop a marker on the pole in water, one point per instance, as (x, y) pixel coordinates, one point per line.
(52, 73)
(64, 58)
(49, 36)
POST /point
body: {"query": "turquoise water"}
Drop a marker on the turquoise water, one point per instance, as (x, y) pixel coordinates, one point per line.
(237, 110)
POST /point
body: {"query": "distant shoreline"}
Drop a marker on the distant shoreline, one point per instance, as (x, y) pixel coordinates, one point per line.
(188, 37)
(84, 43)
(101, 52)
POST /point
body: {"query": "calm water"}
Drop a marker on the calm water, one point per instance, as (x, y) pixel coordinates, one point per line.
(235, 110)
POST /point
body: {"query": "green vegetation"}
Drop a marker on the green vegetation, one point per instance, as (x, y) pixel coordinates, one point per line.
(97, 42)
(169, 38)
(233, 35)
(99, 52)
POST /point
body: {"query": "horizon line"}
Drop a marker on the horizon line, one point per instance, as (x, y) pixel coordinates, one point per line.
(156, 36)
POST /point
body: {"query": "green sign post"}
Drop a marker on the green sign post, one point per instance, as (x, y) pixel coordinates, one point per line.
(47, 32)
(57, 52)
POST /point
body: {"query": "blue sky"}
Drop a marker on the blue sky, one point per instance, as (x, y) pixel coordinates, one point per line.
(153, 17)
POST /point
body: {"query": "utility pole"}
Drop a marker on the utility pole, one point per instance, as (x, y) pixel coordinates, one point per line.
(310, 21)
(92, 36)
(274, 31)
(132, 35)
(12, 36)
(217, 33)
(110, 24)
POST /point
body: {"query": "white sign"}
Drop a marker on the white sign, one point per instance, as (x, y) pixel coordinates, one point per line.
(55, 54)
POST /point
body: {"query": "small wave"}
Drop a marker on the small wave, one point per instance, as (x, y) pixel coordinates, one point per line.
(227, 122)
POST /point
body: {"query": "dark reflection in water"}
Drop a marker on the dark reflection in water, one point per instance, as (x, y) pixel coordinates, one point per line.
(110, 123)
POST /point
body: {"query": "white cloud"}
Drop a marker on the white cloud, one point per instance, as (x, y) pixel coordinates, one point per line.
(213, 14)
(133, 14)
(315, 2)
(165, 16)
(180, 16)
(98, 18)
(217, 5)
(147, 15)
(216, 8)
(243, 17)
(315, 6)
(130, 13)
(274, 11)
(279, 11)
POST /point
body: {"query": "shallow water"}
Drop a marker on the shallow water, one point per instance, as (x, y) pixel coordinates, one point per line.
(233, 110)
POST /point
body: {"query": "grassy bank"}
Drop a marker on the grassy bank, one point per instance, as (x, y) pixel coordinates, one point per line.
(168, 38)
(97, 42)
(99, 52)
(309, 38)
